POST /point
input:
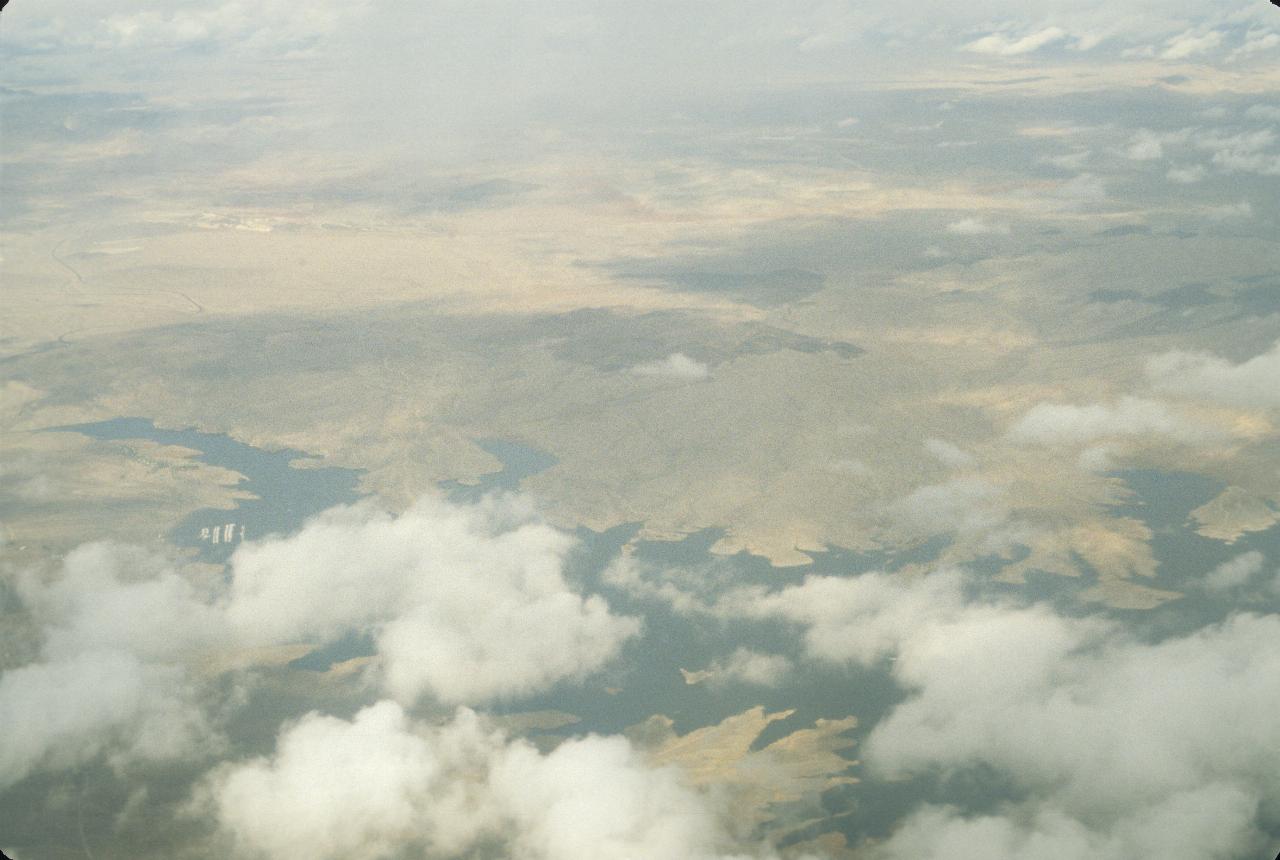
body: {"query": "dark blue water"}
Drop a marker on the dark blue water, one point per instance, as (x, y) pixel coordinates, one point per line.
(1164, 501)
(518, 462)
(284, 496)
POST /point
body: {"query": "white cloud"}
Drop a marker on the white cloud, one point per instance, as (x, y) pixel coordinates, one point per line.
(380, 785)
(689, 590)
(1244, 152)
(967, 504)
(676, 366)
(851, 467)
(744, 666)
(1117, 747)
(1095, 724)
(1232, 150)
(1187, 175)
(1213, 823)
(595, 799)
(1145, 146)
(1252, 383)
(1069, 160)
(334, 788)
(65, 712)
(1087, 41)
(1264, 112)
(1256, 41)
(977, 227)
(1004, 45)
(860, 619)
(1243, 209)
(113, 597)
(1235, 572)
(467, 604)
(1055, 424)
(1098, 458)
(949, 454)
(116, 625)
(231, 25)
(1190, 44)
(1081, 190)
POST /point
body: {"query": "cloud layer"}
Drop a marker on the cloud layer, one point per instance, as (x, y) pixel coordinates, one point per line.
(1251, 383)
(380, 783)
(110, 678)
(1120, 747)
(467, 604)
(1112, 745)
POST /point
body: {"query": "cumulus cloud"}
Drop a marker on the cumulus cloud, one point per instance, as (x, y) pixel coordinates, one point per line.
(467, 603)
(1145, 146)
(1004, 45)
(677, 365)
(322, 581)
(1073, 161)
(1053, 424)
(1243, 209)
(743, 666)
(1252, 383)
(1081, 190)
(1213, 823)
(964, 504)
(116, 624)
(1190, 44)
(333, 788)
(850, 467)
(595, 799)
(114, 597)
(1187, 175)
(1231, 151)
(1103, 727)
(1242, 152)
(1256, 41)
(231, 25)
(859, 619)
(381, 784)
(977, 227)
(63, 713)
(1235, 572)
(1263, 112)
(1117, 747)
(949, 454)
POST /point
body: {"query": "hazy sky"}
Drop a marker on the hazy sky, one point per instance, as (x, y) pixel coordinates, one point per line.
(898, 387)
